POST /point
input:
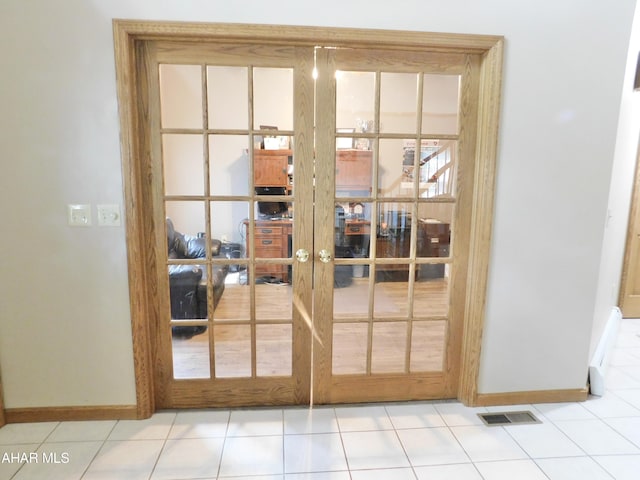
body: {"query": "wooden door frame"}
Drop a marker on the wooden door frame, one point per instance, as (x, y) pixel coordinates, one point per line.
(629, 300)
(3, 419)
(130, 37)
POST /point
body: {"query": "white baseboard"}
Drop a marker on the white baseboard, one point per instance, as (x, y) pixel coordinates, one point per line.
(599, 362)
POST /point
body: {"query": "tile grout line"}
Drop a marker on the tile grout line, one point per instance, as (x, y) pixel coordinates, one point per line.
(164, 444)
(104, 442)
(449, 428)
(224, 443)
(404, 449)
(529, 457)
(344, 450)
(40, 445)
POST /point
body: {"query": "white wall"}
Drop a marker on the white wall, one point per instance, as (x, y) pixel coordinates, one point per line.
(620, 194)
(64, 318)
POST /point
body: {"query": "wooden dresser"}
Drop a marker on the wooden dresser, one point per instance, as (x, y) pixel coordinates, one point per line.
(272, 240)
(353, 170)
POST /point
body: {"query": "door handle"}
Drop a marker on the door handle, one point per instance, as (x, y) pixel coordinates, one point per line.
(302, 255)
(325, 255)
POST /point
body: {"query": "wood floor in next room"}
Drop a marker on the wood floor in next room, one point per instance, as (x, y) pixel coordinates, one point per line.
(391, 334)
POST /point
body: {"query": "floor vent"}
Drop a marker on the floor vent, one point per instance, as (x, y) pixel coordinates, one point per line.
(508, 418)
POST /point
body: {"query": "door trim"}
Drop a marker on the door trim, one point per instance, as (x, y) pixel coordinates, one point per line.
(130, 39)
(629, 300)
(3, 420)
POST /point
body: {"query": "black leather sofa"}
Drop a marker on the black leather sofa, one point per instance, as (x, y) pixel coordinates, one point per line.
(187, 283)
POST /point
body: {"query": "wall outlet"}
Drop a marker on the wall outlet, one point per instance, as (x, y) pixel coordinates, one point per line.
(79, 215)
(109, 215)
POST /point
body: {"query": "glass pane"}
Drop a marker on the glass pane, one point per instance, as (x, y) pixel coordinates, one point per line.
(272, 240)
(229, 164)
(271, 273)
(234, 302)
(273, 297)
(229, 282)
(398, 102)
(273, 98)
(351, 292)
(187, 219)
(349, 353)
(355, 103)
(188, 296)
(431, 291)
(181, 96)
(273, 350)
(395, 170)
(391, 294)
(388, 348)
(438, 168)
(183, 164)
(273, 170)
(440, 104)
(191, 357)
(228, 97)
(352, 229)
(428, 346)
(226, 221)
(232, 345)
(394, 226)
(354, 173)
(434, 235)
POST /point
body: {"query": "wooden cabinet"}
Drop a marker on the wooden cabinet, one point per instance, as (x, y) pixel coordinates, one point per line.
(393, 246)
(434, 239)
(270, 168)
(272, 240)
(353, 170)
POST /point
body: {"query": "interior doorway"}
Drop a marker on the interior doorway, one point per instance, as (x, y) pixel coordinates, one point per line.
(363, 234)
(630, 283)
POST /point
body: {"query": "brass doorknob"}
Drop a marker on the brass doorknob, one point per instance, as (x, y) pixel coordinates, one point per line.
(325, 255)
(302, 255)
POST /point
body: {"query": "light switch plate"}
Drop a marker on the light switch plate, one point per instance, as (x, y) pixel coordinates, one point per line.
(109, 215)
(79, 215)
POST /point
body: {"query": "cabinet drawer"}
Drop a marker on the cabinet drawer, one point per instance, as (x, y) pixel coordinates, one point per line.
(357, 229)
(277, 231)
(268, 242)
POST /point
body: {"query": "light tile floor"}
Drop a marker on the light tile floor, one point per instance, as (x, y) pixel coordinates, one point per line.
(597, 439)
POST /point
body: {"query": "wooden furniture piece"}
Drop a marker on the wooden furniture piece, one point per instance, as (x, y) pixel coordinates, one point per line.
(357, 234)
(353, 170)
(271, 238)
(433, 241)
(357, 227)
(436, 237)
(393, 246)
(270, 168)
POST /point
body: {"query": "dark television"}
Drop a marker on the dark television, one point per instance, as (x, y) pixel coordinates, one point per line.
(268, 209)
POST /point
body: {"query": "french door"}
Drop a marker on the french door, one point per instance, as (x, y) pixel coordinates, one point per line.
(393, 330)
(235, 148)
(311, 212)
